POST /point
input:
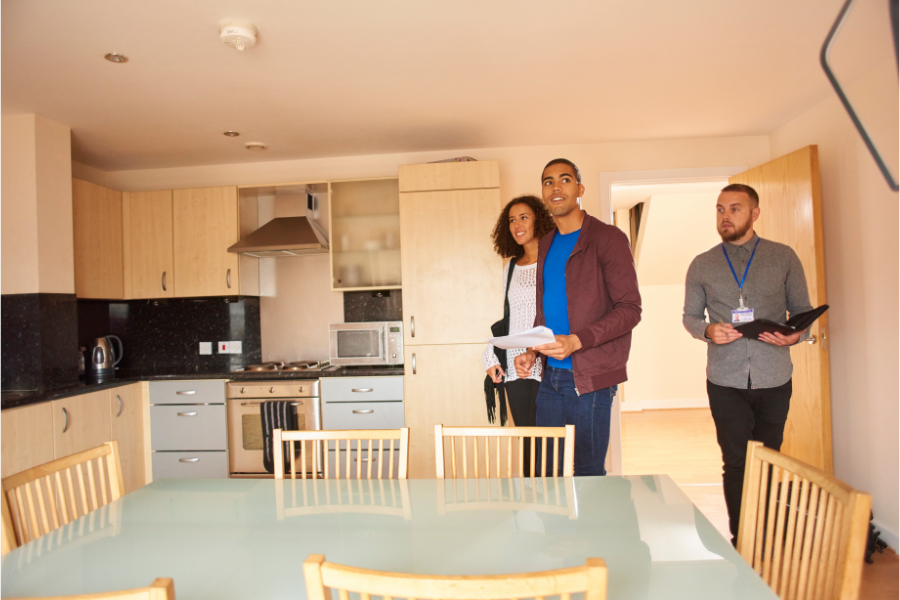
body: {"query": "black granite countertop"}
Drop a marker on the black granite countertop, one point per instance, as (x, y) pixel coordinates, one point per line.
(24, 398)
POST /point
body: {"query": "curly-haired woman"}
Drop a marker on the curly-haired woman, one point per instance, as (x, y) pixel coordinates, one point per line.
(521, 225)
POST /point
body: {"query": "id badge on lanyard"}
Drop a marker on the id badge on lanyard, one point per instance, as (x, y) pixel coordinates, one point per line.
(742, 314)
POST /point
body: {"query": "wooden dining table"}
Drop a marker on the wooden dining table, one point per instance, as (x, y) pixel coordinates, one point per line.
(246, 539)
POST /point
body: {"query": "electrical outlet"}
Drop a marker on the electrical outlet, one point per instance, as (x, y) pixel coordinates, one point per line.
(237, 347)
(205, 348)
(224, 347)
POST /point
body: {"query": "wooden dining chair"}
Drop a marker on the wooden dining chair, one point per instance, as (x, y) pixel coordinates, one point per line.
(48, 496)
(482, 436)
(388, 440)
(162, 588)
(802, 530)
(321, 576)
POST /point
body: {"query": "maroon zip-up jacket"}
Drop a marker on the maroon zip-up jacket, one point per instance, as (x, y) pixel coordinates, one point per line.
(603, 300)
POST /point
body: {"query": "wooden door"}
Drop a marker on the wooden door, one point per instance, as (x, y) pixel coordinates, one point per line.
(791, 213)
(149, 259)
(442, 384)
(205, 225)
(80, 423)
(27, 438)
(453, 288)
(97, 236)
(127, 427)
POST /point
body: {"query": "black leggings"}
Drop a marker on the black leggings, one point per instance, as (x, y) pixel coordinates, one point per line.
(521, 395)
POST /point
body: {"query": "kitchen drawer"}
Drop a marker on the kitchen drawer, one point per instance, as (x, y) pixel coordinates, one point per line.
(362, 415)
(190, 465)
(187, 392)
(377, 462)
(188, 427)
(362, 389)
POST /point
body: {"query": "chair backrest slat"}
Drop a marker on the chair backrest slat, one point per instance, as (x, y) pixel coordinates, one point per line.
(802, 530)
(162, 588)
(44, 498)
(343, 442)
(535, 438)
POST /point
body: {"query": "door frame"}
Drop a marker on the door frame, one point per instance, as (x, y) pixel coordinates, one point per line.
(651, 177)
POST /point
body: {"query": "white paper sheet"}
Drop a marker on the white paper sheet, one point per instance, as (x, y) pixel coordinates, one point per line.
(526, 339)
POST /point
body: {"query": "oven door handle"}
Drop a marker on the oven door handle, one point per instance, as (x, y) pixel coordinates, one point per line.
(301, 402)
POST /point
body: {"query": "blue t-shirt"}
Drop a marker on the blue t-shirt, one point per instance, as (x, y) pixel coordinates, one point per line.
(556, 308)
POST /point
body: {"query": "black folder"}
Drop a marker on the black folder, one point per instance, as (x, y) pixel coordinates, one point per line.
(794, 324)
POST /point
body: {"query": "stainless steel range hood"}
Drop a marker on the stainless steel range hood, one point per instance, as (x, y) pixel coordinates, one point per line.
(284, 236)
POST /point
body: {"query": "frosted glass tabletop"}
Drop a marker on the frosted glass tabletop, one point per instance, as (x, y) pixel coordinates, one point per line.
(246, 539)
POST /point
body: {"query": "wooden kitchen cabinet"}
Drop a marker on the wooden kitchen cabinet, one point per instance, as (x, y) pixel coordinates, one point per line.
(205, 224)
(365, 234)
(27, 438)
(148, 244)
(129, 427)
(80, 423)
(443, 385)
(453, 286)
(97, 237)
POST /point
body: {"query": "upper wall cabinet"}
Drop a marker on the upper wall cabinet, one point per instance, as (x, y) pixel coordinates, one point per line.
(365, 234)
(205, 224)
(149, 259)
(97, 229)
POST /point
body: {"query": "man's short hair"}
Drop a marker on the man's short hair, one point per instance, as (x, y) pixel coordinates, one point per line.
(740, 187)
(564, 161)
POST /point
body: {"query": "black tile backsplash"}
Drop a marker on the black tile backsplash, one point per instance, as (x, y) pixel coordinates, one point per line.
(384, 305)
(39, 344)
(163, 336)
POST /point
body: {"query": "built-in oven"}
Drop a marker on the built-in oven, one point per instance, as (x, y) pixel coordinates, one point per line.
(245, 436)
(370, 343)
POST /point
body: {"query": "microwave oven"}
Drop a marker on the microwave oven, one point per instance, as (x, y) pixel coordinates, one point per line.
(373, 343)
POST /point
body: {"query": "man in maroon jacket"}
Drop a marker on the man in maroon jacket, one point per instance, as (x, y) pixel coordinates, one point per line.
(587, 293)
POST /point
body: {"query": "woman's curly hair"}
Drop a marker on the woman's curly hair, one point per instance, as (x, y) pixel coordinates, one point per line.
(504, 242)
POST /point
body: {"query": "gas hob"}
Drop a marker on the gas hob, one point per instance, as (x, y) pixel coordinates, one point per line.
(300, 365)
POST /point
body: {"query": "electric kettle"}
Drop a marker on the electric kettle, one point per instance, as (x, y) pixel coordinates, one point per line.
(101, 359)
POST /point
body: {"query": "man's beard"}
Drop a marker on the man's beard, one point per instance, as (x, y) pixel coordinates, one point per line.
(738, 233)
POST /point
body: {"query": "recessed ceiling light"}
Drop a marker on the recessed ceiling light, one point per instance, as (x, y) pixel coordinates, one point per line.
(116, 57)
(231, 133)
(255, 146)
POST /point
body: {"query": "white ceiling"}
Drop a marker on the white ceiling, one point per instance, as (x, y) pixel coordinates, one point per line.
(358, 77)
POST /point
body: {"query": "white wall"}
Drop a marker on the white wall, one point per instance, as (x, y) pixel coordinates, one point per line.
(37, 245)
(860, 219)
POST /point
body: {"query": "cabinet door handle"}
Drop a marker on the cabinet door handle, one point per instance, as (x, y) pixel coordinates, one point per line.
(361, 390)
(824, 340)
(119, 398)
(186, 392)
(66, 415)
(364, 412)
(188, 414)
(412, 326)
(164, 281)
(228, 278)
(188, 460)
(414, 363)
(364, 459)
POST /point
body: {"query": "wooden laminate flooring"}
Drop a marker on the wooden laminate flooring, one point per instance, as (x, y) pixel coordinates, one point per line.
(682, 444)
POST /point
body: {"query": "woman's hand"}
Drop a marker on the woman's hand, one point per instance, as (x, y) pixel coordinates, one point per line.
(496, 373)
(524, 362)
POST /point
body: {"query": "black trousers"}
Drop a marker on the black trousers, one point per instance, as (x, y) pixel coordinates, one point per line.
(521, 395)
(742, 415)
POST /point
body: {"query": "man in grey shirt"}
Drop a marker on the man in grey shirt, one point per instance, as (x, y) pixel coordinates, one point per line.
(748, 381)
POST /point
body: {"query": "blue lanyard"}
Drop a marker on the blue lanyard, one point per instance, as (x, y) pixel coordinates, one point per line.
(744, 278)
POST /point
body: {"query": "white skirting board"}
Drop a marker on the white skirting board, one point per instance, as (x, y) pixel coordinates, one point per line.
(890, 537)
(639, 405)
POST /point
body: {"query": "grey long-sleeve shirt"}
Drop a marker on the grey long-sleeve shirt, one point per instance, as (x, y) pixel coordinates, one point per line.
(775, 285)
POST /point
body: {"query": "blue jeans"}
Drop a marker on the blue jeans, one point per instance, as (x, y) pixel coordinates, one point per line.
(559, 405)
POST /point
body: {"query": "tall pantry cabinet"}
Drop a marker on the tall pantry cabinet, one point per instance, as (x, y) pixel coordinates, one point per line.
(452, 292)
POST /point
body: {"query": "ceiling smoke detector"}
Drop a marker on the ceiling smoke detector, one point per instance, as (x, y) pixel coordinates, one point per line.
(240, 34)
(255, 146)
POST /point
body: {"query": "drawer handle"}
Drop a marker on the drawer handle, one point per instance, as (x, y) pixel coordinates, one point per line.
(364, 459)
(119, 398)
(186, 392)
(364, 412)
(66, 426)
(361, 390)
(188, 460)
(188, 414)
